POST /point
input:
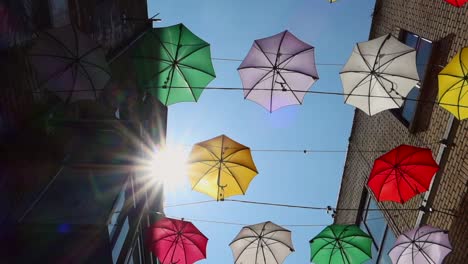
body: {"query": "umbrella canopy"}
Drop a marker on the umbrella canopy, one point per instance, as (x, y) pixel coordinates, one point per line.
(278, 71)
(422, 245)
(402, 173)
(69, 64)
(173, 64)
(457, 3)
(453, 85)
(341, 244)
(176, 242)
(262, 243)
(379, 74)
(221, 167)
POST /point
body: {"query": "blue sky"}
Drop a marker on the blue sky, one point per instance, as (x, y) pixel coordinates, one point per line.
(322, 122)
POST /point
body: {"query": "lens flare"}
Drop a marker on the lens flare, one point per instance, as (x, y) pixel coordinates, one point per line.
(169, 166)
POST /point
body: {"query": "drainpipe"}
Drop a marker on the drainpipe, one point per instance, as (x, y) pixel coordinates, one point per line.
(441, 159)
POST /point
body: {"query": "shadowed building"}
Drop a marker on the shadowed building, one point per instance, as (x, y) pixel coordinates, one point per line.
(71, 189)
(437, 31)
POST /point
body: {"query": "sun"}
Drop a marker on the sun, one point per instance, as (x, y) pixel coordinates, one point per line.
(169, 166)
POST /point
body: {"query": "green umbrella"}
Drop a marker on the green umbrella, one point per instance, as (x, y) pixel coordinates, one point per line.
(173, 64)
(341, 244)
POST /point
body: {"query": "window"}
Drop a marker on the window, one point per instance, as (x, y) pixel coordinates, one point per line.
(59, 12)
(375, 224)
(120, 241)
(424, 49)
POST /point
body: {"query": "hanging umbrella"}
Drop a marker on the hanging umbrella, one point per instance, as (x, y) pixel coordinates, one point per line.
(341, 244)
(453, 85)
(221, 167)
(70, 64)
(402, 173)
(176, 242)
(457, 3)
(422, 245)
(262, 243)
(278, 71)
(173, 64)
(379, 74)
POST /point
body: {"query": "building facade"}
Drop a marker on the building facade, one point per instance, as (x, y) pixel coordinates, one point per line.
(71, 189)
(437, 31)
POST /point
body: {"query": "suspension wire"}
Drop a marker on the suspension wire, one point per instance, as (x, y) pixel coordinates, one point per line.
(319, 64)
(279, 90)
(326, 208)
(244, 224)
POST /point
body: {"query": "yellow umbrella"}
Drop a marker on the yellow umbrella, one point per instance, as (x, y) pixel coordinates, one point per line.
(220, 167)
(453, 85)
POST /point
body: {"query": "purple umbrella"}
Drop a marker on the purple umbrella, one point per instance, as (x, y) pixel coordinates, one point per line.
(278, 71)
(421, 245)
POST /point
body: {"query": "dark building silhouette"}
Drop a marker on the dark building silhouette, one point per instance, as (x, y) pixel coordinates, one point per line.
(71, 190)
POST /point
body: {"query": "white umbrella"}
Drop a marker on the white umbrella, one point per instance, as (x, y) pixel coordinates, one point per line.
(422, 245)
(379, 74)
(262, 243)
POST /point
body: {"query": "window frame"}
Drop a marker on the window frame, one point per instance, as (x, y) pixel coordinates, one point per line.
(418, 122)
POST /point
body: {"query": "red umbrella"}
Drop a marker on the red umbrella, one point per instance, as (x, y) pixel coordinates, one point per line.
(176, 241)
(402, 173)
(457, 3)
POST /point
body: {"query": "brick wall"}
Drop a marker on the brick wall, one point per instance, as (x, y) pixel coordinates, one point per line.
(439, 22)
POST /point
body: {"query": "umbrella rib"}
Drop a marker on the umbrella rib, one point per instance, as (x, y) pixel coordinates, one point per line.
(322, 247)
(156, 74)
(381, 187)
(193, 68)
(185, 80)
(244, 249)
(343, 241)
(257, 46)
(193, 242)
(295, 54)
(362, 57)
(273, 80)
(378, 52)
(259, 81)
(263, 250)
(173, 67)
(236, 151)
(234, 177)
(396, 57)
(271, 251)
(449, 89)
(297, 71)
(59, 42)
(235, 163)
(94, 90)
(194, 51)
(361, 82)
(97, 66)
(289, 87)
(391, 97)
(459, 97)
(201, 178)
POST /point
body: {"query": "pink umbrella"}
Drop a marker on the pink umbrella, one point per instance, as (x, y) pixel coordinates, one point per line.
(175, 241)
(422, 245)
(278, 71)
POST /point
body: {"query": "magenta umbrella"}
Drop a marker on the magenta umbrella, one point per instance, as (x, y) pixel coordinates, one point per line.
(175, 241)
(278, 71)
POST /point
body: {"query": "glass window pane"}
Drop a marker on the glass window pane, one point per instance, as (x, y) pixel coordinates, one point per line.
(376, 223)
(411, 40)
(59, 12)
(423, 57)
(388, 243)
(409, 107)
(120, 241)
(115, 216)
